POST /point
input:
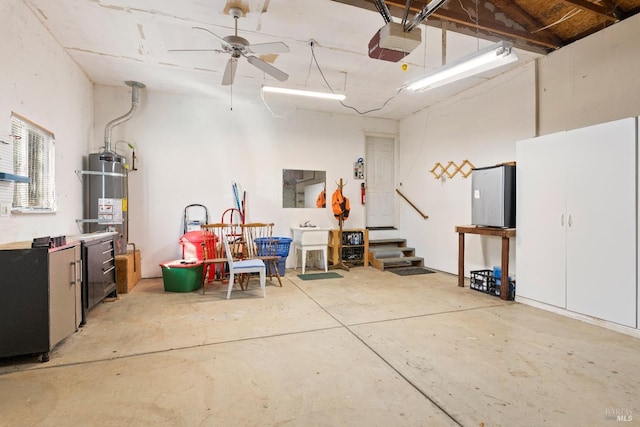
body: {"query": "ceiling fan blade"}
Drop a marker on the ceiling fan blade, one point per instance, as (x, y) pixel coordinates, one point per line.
(217, 37)
(276, 47)
(268, 68)
(230, 72)
(195, 50)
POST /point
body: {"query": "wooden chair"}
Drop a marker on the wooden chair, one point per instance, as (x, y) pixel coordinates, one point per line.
(243, 266)
(260, 244)
(213, 251)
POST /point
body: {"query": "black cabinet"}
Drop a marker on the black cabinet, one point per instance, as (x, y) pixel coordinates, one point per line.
(99, 275)
(40, 298)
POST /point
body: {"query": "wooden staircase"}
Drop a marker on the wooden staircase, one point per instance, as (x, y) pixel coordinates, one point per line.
(385, 254)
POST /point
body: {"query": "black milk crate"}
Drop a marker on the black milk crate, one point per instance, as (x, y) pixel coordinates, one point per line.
(485, 281)
(353, 254)
(352, 238)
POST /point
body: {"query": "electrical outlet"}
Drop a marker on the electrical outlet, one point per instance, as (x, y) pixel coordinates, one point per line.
(5, 209)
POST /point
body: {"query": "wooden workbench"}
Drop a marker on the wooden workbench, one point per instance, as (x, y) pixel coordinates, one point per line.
(505, 233)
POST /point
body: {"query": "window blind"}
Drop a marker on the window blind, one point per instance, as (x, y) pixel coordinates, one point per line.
(33, 157)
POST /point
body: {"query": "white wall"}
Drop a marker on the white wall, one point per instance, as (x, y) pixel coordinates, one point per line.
(592, 81)
(39, 81)
(191, 149)
(480, 125)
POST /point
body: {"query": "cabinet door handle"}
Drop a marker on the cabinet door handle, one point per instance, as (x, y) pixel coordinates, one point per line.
(569, 221)
(80, 269)
(562, 220)
(77, 267)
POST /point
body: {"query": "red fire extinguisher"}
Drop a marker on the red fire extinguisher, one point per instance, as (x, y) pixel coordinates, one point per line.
(362, 192)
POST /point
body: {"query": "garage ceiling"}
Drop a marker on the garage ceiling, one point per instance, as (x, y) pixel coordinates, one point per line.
(119, 40)
(534, 25)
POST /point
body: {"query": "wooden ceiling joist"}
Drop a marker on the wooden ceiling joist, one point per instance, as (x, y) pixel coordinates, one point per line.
(534, 25)
(525, 19)
(585, 5)
(544, 39)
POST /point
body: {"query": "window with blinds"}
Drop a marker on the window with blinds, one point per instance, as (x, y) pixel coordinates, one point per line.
(33, 157)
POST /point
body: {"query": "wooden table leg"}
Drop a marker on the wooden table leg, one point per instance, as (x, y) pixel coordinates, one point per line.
(504, 274)
(461, 259)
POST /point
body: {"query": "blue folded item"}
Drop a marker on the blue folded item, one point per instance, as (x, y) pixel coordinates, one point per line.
(497, 274)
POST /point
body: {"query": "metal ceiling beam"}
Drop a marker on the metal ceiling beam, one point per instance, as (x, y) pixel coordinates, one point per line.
(427, 10)
(405, 12)
(383, 10)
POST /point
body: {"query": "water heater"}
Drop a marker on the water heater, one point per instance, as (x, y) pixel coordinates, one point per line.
(105, 196)
(105, 183)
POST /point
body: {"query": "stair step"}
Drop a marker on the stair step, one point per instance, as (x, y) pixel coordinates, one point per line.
(390, 251)
(385, 263)
(387, 254)
(384, 248)
(389, 248)
(387, 242)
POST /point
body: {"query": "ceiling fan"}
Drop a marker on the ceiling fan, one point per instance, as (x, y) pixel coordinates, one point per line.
(238, 46)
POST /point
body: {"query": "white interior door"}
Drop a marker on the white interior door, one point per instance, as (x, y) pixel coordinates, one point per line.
(601, 233)
(380, 182)
(540, 219)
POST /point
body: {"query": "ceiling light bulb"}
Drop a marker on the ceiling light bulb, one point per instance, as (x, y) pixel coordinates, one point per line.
(298, 92)
(483, 60)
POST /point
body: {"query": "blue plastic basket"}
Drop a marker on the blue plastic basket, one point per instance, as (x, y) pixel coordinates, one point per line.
(265, 246)
(281, 265)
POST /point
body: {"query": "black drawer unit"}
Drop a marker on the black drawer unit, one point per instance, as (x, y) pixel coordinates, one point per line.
(99, 275)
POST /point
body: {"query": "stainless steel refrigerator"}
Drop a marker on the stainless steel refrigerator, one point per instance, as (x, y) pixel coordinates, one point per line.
(493, 196)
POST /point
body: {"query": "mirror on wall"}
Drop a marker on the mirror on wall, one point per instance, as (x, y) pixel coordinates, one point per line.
(301, 188)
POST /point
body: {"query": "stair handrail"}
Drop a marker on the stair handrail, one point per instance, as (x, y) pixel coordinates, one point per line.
(412, 205)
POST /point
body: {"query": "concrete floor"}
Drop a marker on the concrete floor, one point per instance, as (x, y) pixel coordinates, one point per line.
(369, 349)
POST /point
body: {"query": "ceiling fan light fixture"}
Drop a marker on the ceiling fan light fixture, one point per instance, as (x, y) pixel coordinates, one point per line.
(493, 56)
(299, 92)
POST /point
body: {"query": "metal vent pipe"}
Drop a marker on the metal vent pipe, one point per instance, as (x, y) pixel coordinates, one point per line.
(135, 98)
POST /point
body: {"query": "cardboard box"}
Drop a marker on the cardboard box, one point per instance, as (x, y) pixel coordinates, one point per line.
(128, 271)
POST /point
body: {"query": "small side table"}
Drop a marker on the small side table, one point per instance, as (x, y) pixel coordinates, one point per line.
(504, 233)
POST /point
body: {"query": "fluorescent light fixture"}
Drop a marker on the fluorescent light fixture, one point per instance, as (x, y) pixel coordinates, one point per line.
(486, 59)
(286, 91)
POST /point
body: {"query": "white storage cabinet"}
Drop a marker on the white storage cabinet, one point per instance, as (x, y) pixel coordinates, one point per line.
(576, 220)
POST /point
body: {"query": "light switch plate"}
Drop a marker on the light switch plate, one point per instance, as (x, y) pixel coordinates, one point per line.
(5, 209)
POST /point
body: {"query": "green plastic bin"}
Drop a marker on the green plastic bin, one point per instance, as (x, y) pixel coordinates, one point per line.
(182, 275)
